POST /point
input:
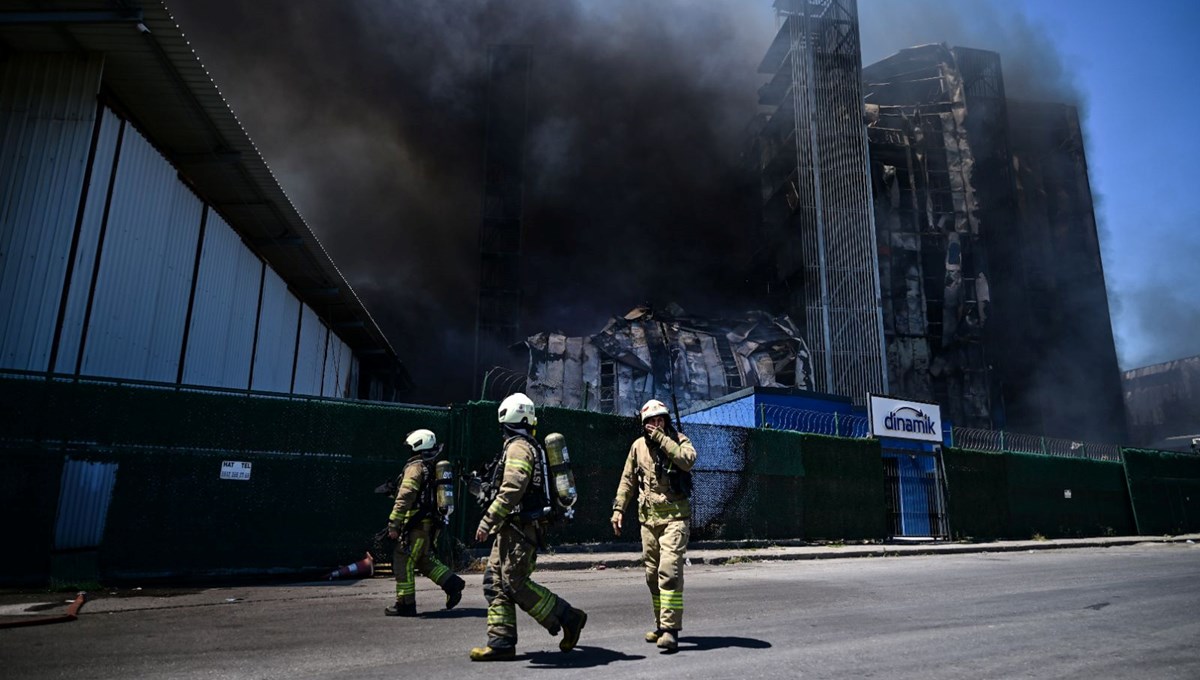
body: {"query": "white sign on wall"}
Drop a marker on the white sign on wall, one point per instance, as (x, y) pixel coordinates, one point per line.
(235, 469)
(905, 419)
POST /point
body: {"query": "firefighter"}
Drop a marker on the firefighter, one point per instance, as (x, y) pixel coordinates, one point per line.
(414, 524)
(516, 518)
(659, 469)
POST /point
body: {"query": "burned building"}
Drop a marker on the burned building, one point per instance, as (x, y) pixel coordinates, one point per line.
(993, 294)
(660, 354)
(1163, 402)
(818, 260)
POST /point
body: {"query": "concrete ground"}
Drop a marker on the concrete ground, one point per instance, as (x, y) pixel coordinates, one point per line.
(1106, 608)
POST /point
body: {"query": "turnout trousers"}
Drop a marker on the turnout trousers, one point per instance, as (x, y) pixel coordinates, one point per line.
(663, 548)
(507, 585)
(413, 554)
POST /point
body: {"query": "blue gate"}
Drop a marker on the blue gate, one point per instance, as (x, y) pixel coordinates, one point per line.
(916, 499)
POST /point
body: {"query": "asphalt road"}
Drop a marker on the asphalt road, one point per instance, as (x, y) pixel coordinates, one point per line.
(1124, 612)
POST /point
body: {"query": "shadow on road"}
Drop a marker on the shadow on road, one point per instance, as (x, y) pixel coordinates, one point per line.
(580, 657)
(462, 613)
(689, 643)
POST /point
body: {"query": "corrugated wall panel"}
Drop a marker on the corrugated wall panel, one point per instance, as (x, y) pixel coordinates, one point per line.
(310, 362)
(83, 499)
(47, 114)
(276, 336)
(140, 303)
(338, 364)
(89, 236)
(221, 339)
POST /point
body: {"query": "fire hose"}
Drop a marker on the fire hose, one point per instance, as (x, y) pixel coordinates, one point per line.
(71, 615)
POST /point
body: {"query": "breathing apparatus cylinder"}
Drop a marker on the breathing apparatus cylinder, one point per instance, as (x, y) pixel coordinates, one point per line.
(560, 470)
(443, 474)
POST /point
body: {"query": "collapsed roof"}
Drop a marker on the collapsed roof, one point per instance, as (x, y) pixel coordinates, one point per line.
(651, 353)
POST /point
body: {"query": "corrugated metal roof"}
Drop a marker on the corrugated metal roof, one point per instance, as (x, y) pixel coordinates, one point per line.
(157, 77)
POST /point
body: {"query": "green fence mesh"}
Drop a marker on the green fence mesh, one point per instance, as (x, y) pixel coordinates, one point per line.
(301, 513)
(309, 505)
(29, 495)
(976, 494)
(47, 412)
(1165, 488)
(1066, 497)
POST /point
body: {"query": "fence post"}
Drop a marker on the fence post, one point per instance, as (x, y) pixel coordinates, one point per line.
(1044, 451)
(1001, 441)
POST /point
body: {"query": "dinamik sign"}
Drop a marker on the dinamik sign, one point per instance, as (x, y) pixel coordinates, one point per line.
(905, 419)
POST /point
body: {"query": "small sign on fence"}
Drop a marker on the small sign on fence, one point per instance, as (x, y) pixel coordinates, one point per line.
(235, 469)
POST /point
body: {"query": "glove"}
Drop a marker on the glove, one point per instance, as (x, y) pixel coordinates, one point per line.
(616, 520)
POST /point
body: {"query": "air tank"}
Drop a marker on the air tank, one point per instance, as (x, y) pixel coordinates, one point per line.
(443, 473)
(559, 461)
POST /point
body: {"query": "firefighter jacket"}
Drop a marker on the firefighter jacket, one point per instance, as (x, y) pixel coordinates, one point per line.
(521, 490)
(413, 495)
(650, 460)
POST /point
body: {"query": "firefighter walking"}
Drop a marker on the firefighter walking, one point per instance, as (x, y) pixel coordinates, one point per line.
(414, 522)
(658, 468)
(516, 518)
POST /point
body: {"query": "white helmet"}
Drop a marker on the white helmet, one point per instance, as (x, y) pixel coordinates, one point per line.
(653, 408)
(423, 442)
(517, 411)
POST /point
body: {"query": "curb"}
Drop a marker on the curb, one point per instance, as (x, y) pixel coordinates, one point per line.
(608, 560)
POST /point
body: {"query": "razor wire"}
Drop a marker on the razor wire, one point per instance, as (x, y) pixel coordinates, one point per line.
(779, 417)
(998, 441)
(499, 382)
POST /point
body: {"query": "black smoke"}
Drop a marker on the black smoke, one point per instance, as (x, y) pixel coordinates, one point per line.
(372, 115)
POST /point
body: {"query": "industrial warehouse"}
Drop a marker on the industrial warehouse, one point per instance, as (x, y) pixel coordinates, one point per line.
(174, 337)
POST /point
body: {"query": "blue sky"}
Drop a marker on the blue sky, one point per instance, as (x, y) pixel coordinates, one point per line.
(1136, 70)
(1134, 74)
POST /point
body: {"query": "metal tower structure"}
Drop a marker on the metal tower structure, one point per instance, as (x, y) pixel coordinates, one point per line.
(498, 315)
(817, 204)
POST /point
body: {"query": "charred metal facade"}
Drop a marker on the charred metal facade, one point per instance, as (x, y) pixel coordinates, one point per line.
(1163, 401)
(819, 262)
(993, 294)
(668, 355)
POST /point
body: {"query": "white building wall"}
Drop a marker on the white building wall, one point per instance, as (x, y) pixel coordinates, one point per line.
(95, 221)
(339, 365)
(47, 116)
(221, 339)
(135, 328)
(310, 361)
(276, 346)
(80, 284)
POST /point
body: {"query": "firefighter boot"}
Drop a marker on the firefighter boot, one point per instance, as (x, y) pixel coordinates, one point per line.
(493, 653)
(402, 609)
(654, 635)
(667, 642)
(572, 625)
(454, 589)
